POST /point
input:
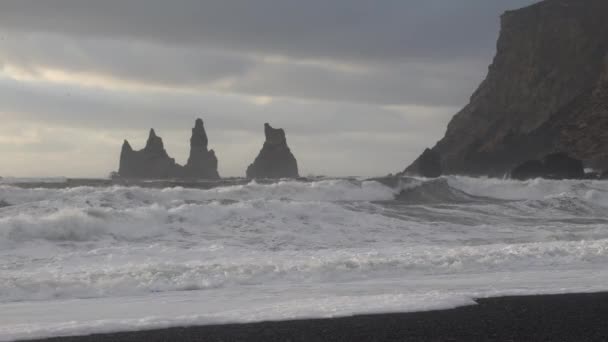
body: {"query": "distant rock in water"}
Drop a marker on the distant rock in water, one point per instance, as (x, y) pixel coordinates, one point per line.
(202, 162)
(275, 159)
(427, 165)
(546, 91)
(153, 162)
(553, 166)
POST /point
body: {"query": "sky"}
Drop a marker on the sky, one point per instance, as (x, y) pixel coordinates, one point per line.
(361, 87)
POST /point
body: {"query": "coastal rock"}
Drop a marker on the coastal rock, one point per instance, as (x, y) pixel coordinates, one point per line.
(153, 162)
(275, 160)
(546, 91)
(553, 166)
(562, 166)
(530, 169)
(202, 162)
(427, 165)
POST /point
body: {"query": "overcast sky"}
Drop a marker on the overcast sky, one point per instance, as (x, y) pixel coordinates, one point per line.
(361, 87)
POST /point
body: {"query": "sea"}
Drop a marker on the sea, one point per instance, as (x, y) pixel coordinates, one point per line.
(94, 256)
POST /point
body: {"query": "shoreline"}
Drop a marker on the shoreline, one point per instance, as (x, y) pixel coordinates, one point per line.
(562, 317)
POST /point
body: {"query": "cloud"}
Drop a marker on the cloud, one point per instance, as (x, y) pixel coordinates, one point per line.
(94, 121)
(339, 29)
(114, 64)
(361, 86)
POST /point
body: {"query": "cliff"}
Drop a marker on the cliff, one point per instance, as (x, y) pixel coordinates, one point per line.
(546, 91)
(275, 160)
(153, 162)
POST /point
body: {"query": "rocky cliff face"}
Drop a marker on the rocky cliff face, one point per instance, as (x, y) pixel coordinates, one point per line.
(275, 159)
(153, 162)
(546, 91)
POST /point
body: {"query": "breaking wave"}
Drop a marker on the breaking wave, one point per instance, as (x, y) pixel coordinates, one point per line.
(347, 241)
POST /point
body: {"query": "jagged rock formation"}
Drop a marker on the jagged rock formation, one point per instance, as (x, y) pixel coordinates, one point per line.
(553, 166)
(427, 165)
(202, 162)
(275, 159)
(153, 162)
(546, 91)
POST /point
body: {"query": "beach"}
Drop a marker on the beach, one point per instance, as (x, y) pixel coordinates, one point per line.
(565, 317)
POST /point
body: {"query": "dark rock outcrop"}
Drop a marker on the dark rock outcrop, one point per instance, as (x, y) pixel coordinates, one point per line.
(153, 162)
(546, 91)
(427, 165)
(275, 159)
(202, 162)
(530, 169)
(562, 166)
(553, 166)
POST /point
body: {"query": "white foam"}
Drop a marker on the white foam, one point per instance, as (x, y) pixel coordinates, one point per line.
(146, 258)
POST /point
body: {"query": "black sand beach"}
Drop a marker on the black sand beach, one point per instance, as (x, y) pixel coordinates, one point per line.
(570, 317)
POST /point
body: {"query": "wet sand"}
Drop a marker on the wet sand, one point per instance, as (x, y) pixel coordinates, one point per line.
(570, 317)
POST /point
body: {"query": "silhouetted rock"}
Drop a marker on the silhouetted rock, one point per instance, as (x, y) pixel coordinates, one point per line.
(202, 162)
(153, 162)
(275, 159)
(427, 165)
(546, 91)
(553, 166)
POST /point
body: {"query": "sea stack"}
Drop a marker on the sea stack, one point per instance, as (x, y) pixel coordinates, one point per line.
(202, 162)
(153, 162)
(275, 159)
(546, 92)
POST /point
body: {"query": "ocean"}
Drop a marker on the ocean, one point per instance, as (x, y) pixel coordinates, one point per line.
(93, 256)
